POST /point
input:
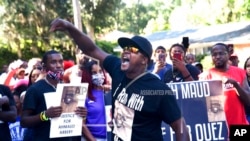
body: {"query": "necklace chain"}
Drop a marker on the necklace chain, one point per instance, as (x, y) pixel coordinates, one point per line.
(46, 80)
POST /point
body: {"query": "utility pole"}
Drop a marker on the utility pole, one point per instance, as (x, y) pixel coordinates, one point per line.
(77, 14)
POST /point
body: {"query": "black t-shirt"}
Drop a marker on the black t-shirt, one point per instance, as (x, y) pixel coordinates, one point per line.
(35, 100)
(4, 126)
(176, 76)
(139, 109)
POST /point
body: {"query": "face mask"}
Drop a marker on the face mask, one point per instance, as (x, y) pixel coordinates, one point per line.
(55, 75)
(98, 79)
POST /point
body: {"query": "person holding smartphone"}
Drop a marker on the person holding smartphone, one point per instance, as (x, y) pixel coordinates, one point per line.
(160, 65)
(181, 71)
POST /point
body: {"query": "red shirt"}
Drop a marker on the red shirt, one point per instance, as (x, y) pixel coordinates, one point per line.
(234, 108)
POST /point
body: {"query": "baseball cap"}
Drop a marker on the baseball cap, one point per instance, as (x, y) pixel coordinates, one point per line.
(140, 42)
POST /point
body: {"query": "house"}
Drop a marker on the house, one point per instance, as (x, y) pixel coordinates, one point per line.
(202, 38)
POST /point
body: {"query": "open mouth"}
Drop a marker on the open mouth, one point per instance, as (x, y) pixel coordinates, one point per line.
(125, 60)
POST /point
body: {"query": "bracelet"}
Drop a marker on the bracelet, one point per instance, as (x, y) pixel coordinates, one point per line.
(43, 117)
(187, 76)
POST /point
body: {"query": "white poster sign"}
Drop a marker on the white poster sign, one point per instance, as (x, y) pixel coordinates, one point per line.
(69, 96)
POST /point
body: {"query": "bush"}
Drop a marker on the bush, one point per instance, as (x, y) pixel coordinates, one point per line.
(107, 47)
(199, 57)
(7, 56)
(207, 62)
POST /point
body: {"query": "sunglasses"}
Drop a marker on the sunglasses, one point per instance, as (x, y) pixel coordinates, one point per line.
(131, 49)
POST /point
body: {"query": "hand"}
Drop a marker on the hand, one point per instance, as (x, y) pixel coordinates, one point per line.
(180, 65)
(4, 100)
(226, 80)
(106, 87)
(81, 111)
(53, 112)
(59, 24)
(159, 65)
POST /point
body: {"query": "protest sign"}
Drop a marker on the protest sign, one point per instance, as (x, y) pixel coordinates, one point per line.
(70, 96)
(108, 112)
(202, 106)
(50, 99)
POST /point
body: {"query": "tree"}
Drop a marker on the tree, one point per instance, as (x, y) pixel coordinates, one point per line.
(98, 15)
(159, 12)
(27, 22)
(133, 19)
(209, 12)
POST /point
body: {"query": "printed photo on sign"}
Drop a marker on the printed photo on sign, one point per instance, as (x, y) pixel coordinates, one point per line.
(69, 124)
(123, 121)
(69, 99)
(215, 108)
(202, 106)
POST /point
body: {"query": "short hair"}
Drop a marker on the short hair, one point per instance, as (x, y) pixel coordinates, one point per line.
(191, 55)
(178, 45)
(221, 44)
(160, 47)
(45, 56)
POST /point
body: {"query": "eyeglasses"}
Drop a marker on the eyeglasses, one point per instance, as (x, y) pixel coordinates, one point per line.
(131, 49)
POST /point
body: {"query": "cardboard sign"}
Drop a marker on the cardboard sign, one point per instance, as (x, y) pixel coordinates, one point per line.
(69, 96)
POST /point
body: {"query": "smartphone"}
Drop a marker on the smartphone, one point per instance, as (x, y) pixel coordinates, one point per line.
(185, 42)
(161, 57)
(178, 56)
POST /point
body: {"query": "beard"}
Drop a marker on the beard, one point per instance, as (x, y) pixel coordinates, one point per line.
(220, 65)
